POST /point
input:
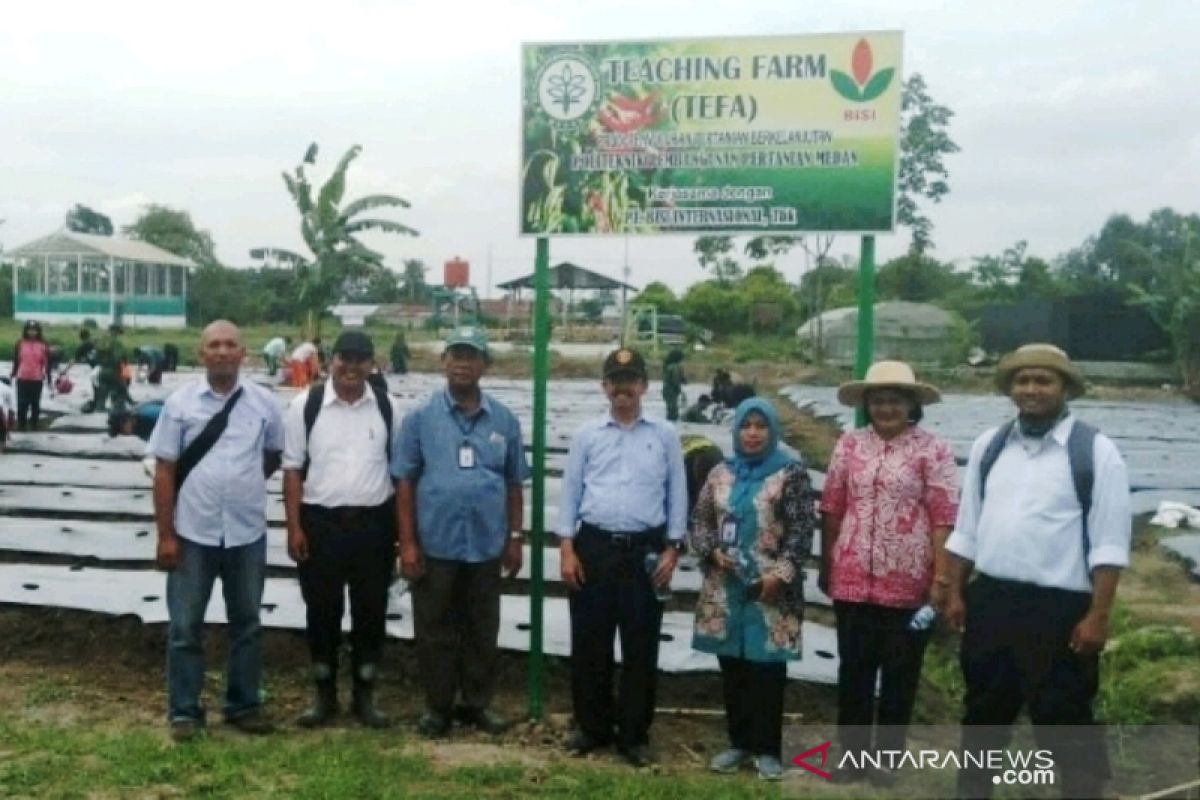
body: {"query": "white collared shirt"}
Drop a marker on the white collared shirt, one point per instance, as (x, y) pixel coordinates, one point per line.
(349, 463)
(1029, 527)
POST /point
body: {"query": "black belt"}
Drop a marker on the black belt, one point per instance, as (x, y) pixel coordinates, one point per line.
(348, 513)
(628, 540)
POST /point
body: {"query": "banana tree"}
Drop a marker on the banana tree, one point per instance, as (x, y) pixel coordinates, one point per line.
(330, 231)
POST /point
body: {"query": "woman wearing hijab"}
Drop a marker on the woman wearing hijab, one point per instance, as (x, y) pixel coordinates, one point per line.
(889, 501)
(31, 360)
(752, 529)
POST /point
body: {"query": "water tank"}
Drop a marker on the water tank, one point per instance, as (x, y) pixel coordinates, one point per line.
(457, 273)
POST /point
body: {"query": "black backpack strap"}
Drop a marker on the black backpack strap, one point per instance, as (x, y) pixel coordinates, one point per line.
(992, 452)
(312, 407)
(198, 449)
(1081, 453)
(384, 401)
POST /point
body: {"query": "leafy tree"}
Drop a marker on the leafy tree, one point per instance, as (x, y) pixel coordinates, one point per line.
(1128, 254)
(413, 284)
(217, 292)
(714, 255)
(719, 307)
(173, 231)
(770, 302)
(82, 219)
(380, 285)
(1014, 275)
(1174, 300)
(828, 285)
(330, 230)
(660, 296)
(917, 278)
(924, 143)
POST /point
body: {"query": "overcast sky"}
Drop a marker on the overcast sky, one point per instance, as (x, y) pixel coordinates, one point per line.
(1066, 111)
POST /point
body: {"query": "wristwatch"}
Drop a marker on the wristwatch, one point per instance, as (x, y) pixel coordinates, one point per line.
(678, 544)
(516, 536)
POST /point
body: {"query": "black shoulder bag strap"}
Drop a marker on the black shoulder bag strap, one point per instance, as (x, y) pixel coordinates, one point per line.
(198, 449)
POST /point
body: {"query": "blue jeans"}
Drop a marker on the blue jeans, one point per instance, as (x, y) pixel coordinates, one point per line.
(189, 586)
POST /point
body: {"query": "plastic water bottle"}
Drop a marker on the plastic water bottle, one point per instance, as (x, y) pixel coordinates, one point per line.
(922, 618)
(661, 593)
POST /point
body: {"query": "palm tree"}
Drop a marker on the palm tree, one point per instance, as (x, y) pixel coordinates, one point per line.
(331, 233)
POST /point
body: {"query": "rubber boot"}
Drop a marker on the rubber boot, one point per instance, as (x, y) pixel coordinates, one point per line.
(364, 698)
(325, 702)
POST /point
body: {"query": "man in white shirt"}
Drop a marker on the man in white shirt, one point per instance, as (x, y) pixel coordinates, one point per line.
(1035, 617)
(339, 498)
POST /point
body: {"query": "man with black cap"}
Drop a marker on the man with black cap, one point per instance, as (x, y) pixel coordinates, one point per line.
(339, 496)
(460, 467)
(1044, 522)
(623, 508)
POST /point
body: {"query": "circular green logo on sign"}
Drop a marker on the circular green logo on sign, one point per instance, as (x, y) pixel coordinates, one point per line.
(567, 88)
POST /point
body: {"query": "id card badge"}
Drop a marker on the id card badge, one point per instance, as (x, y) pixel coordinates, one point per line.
(728, 531)
(466, 456)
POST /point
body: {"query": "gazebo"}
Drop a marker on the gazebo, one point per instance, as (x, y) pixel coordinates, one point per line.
(68, 277)
(566, 275)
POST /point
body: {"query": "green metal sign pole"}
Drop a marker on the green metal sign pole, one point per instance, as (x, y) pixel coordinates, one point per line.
(541, 362)
(866, 316)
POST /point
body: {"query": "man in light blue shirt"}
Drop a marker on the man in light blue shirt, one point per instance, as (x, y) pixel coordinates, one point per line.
(622, 519)
(461, 463)
(215, 524)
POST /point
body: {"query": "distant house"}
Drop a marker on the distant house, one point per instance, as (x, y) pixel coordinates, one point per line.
(918, 333)
(68, 277)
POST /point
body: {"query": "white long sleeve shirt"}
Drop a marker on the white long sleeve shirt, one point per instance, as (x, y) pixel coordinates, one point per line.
(1028, 526)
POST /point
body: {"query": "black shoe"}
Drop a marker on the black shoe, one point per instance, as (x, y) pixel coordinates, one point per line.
(324, 707)
(365, 709)
(637, 755)
(484, 719)
(433, 725)
(254, 723)
(580, 743)
(185, 730)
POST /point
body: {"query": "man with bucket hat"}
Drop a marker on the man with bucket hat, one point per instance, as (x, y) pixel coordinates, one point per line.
(1044, 523)
(623, 507)
(460, 466)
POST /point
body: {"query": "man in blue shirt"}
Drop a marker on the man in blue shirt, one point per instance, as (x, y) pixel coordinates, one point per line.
(215, 524)
(623, 507)
(461, 462)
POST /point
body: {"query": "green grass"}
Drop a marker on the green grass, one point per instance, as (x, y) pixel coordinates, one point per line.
(55, 761)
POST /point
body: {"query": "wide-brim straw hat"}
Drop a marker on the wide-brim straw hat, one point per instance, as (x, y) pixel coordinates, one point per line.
(888, 375)
(1043, 356)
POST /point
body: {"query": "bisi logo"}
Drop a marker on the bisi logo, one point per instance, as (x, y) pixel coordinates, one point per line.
(862, 85)
(802, 759)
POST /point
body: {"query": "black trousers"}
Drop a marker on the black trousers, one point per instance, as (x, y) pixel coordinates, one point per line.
(29, 404)
(617, 597)
(754, 704)
(456, 618)
(1015, 653)
(347, 549)
(874, 642)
